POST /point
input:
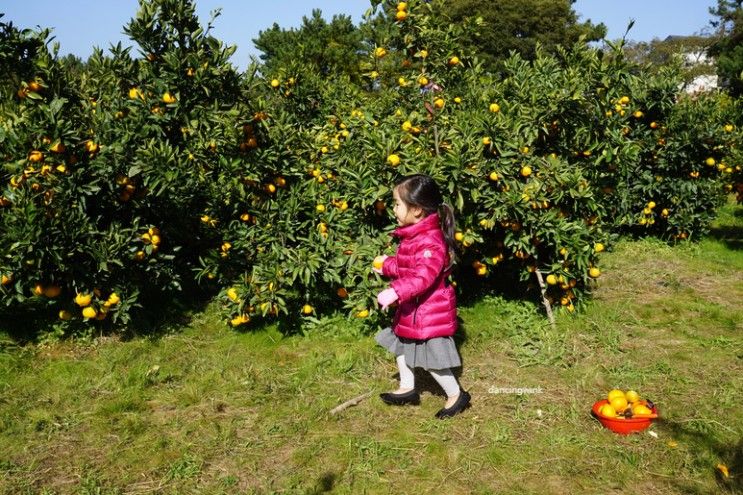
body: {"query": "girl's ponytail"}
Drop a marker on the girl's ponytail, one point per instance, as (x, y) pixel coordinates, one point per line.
(447, 224)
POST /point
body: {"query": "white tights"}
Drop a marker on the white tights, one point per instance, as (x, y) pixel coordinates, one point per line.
(445, 378)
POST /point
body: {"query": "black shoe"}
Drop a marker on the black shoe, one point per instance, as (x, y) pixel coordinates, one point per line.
(411, 397)
(462, 403)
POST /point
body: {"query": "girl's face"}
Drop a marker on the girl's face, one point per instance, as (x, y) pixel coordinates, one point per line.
(406, 215)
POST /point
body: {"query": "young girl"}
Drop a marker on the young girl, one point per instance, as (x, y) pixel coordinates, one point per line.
(426, 317)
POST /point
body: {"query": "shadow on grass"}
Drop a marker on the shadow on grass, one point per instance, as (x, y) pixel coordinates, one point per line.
(729, 455)
(325, 484)
(728, 228)
(504, 282)
(730, 235)
(164, 313)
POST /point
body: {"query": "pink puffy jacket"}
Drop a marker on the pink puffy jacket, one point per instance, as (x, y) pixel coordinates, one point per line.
(427, 303)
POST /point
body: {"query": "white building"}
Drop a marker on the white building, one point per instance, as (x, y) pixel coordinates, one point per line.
(696, 58)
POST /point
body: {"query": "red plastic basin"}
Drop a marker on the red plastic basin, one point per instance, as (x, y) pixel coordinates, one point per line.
(623, 426)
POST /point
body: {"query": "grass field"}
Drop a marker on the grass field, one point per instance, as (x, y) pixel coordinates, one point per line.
(206, 409)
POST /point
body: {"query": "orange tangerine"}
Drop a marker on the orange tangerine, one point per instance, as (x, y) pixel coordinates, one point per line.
(614, 394)
(608, 411)
(632, 396)
(641, 409)
(619, 404)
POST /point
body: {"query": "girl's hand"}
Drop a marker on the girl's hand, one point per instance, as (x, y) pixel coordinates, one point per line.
(386, 297)
(378, 262)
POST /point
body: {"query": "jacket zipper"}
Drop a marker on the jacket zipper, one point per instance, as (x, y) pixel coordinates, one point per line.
(417, 305)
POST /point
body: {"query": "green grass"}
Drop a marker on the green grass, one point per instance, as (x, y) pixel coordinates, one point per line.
(206, 409)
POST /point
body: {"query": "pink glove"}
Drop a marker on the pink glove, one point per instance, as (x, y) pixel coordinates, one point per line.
(386, 297)
(378, 262)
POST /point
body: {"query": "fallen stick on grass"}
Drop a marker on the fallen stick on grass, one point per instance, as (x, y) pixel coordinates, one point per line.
(349, 403)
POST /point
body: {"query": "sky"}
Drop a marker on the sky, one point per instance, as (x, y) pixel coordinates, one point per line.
(80, 25)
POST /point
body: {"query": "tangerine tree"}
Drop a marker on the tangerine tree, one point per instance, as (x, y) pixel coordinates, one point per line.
(134, 176)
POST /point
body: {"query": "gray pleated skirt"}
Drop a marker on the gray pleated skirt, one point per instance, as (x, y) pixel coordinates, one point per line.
(437, 353)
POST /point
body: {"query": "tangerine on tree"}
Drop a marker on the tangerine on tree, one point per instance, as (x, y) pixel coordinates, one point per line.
(35, 156)
(57, 147)
(83, 299)
(91, 147)
(52, 291)
(240, 320)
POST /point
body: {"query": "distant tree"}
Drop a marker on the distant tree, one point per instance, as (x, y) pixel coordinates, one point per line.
(690, 52)
(518, 25)
(18, 49)
(729, 46)
(73, 64)
(331, 48)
